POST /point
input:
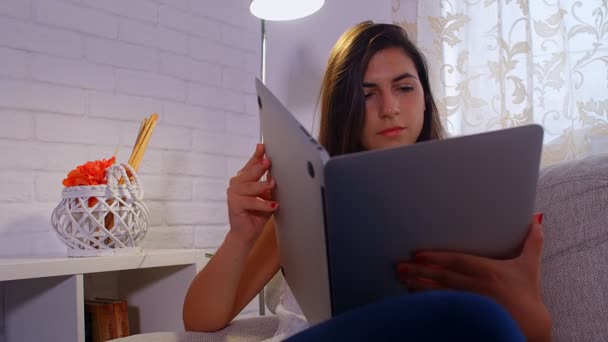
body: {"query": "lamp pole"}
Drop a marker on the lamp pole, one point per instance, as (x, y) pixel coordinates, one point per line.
(263, 61)
(263, 47)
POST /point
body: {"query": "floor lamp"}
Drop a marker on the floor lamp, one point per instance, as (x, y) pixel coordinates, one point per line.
(278, 10)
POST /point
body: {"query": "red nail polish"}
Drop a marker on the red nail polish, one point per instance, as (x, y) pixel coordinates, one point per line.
(273, 205)
(402, 268)
(539, 218)
(419, 258)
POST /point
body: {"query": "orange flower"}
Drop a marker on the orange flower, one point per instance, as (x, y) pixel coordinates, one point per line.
(91, 173)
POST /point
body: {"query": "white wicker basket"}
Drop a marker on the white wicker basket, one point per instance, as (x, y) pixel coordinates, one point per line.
(115, 223)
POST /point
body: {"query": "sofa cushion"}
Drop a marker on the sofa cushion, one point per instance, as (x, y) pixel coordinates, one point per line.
(573, 196)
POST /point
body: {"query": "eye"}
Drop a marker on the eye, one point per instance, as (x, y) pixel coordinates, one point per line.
(368, 95)
(405, 88)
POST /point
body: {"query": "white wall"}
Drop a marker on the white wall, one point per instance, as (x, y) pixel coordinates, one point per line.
(77, 77)
(297, 51)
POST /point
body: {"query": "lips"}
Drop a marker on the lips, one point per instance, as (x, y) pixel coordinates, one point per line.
(392, 131)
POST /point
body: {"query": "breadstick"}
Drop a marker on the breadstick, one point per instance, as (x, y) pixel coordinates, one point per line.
(138, 140)
(144, 144)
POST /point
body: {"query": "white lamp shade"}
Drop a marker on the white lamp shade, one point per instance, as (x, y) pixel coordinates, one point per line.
(279, 10)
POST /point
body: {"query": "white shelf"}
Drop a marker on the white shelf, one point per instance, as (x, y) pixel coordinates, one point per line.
(27, 268)
(47, 294)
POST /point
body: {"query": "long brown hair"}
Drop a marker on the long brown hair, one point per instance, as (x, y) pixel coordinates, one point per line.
(342, 95)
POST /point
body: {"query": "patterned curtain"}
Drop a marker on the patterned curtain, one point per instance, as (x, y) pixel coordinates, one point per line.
(504, 63)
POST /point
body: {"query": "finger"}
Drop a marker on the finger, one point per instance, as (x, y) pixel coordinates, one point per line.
(248, 203)
(533, 245)
(443, 277)
(454, 261)
(267, 195)
(251, 174)
(538, 218)
(251, 188)
(258, 154)
(421, 285)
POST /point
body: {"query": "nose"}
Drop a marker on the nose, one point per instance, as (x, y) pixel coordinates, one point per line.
(389, 106)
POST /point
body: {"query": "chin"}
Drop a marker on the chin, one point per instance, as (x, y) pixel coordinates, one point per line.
(395, 143)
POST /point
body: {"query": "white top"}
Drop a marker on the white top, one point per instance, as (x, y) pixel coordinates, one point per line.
(282, 303)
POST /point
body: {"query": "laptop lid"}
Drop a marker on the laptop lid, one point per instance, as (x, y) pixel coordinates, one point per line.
(473, 194)
(297, 165)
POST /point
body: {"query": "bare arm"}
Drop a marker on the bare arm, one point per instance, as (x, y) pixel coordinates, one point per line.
(261, 265)
(248, 257)
(231, 279)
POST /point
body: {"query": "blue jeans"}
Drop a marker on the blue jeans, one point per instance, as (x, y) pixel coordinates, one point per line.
(429, 316)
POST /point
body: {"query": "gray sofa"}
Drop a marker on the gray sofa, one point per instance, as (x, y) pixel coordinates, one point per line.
(574, 199)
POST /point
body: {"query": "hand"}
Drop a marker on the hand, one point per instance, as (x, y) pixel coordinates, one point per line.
(250, 203)
(513, 283)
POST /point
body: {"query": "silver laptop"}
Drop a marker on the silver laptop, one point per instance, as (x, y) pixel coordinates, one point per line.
(344, 222)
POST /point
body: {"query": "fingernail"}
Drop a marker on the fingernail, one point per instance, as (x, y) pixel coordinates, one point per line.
(265, 163)
(539, 218)
(402, 268)
(419, 258)
(273, 205)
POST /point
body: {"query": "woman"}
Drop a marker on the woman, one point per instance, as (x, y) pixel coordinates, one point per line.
(375, 94)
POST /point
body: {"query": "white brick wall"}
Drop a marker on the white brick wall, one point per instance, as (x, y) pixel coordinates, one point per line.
(200, 117)
(149, 84)
(216, 52)
(15, 8)
(189, 23)
(76, 79)
(72, 72)
(216, 97)
(121, 54)
(13, 63)
(135, 9)
(16, 125)
(119, 106)
(153, 36)
(48, 97)
(185, 68)
(75, 16)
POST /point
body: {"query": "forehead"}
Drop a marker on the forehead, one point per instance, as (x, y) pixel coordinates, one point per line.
(388, 63)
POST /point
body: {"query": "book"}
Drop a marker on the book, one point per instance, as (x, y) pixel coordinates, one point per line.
(101, 319)
(121, 315)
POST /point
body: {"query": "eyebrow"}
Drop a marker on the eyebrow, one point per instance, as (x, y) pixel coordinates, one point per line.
(396, 79)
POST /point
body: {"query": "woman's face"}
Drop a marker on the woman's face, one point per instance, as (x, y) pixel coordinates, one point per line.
(394, 101)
